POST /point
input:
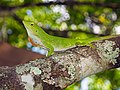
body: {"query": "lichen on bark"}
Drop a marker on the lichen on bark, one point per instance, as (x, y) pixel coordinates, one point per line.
(108, 51)
(63, 68)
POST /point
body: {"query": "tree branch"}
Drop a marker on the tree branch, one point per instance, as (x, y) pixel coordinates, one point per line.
(68, 3)
(63, 68)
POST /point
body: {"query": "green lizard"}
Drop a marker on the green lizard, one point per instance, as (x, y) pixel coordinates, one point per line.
(38, 37)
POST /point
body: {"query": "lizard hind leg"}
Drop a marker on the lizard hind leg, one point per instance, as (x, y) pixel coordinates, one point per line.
(80, 42)
(84, 42)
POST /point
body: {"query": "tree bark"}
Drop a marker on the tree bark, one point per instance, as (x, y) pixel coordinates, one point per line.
(63, 68)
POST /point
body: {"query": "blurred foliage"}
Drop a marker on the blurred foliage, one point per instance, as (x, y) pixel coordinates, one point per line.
(16, 33)
(107, 80)
(81, 21)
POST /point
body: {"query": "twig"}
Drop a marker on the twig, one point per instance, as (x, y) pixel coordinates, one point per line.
(4, 32)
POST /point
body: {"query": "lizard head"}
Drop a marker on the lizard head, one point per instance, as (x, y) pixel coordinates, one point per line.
(31, 28)
(33, 31)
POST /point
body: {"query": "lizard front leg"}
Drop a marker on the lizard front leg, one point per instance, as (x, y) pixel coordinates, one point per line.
(50, 49)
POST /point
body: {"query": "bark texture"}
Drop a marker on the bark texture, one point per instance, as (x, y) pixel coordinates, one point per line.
(63, 68)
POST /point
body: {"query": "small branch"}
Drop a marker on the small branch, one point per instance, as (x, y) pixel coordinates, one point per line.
(68, 3)
(17, 18)
(3, 32)
(63, 68)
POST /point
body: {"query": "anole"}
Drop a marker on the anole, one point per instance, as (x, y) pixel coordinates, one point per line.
(38, 37)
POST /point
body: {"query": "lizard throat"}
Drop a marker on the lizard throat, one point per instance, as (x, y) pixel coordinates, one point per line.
(34, 44)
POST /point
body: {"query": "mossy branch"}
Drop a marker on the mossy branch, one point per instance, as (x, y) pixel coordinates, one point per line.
(63, 68)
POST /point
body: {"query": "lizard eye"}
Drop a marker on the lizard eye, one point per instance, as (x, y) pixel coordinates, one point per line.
(31, 24)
